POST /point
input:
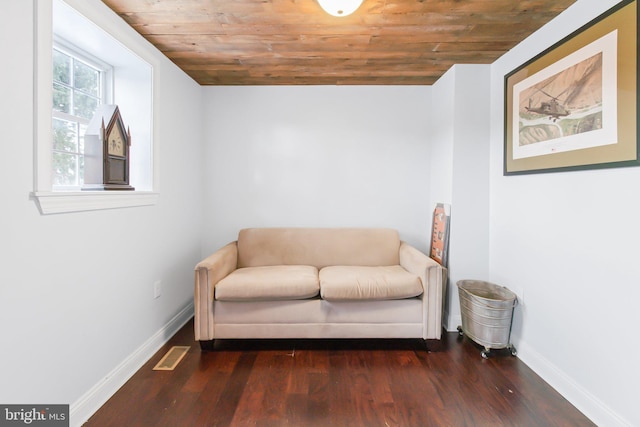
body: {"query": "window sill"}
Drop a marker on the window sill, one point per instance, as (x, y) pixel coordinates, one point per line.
(80, 201)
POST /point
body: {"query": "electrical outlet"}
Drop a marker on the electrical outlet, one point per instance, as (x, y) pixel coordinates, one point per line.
(157, 289)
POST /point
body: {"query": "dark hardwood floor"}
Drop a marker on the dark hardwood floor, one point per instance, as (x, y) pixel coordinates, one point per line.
(337, 383)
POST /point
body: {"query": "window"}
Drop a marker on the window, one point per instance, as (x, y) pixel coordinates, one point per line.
(87, 55)
(79, 86)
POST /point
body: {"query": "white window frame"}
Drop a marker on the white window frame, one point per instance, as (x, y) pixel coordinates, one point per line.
(105, 93)
(53, 202)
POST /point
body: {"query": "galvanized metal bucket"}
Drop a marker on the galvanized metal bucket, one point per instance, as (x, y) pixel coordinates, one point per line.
(487, 314)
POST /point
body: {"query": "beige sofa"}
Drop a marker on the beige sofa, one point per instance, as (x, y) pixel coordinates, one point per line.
(318, 283)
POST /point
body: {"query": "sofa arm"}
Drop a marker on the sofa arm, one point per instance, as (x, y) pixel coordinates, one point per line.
(208, 272)
(434, 281)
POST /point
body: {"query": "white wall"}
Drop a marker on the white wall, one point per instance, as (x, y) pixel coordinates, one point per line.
(459, 163)
(441, 137)
(567, 243)
(76, 298)
(316, 156)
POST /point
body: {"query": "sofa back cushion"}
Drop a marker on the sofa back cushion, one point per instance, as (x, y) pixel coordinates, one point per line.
(319, 247)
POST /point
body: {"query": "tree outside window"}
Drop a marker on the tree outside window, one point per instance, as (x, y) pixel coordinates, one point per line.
(77, 92)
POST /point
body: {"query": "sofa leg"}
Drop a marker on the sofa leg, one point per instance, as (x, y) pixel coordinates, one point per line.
(434, 345)
(207, 345)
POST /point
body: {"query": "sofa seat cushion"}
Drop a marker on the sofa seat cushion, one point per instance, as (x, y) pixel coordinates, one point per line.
(344, 283)
(277, 282)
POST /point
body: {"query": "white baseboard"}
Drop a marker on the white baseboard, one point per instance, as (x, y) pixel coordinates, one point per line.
(92, 400)
(451, 323)
(592, 407)
(82, 409)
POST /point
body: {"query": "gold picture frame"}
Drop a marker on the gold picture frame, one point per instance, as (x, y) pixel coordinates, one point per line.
(575, 105)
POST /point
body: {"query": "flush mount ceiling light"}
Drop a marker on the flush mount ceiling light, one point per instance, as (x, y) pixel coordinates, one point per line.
(340, 7)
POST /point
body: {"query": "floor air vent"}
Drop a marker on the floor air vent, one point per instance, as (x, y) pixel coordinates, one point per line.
(172, 358)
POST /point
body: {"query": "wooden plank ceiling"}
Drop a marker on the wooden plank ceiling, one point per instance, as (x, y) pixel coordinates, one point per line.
(294, 42)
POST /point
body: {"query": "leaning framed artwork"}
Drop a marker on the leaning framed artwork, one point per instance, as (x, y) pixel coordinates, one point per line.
(575, 105)
(439, 250)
